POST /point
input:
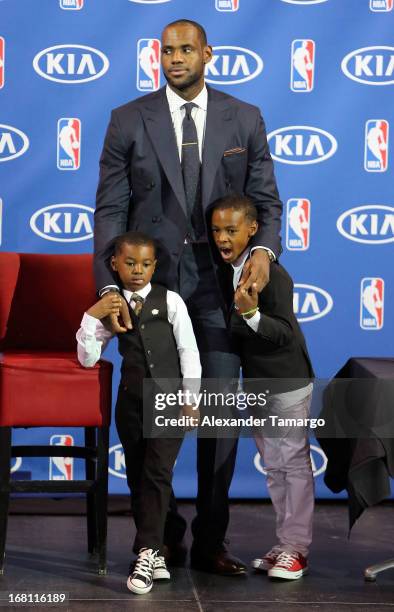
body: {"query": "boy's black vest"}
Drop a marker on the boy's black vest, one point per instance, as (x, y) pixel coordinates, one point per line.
(149, 349)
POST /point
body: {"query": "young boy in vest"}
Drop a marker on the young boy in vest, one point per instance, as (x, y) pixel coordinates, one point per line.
(160, 345)
(271, 346)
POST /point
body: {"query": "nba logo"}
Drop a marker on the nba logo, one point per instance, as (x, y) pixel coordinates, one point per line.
(71, 5)
(383, 6)
(68, 143)
(298, 224)
(148, 64)
(302, 65)
(227, 5)
(61, 468)
(376, 145)
(2, 60)
(372, 303)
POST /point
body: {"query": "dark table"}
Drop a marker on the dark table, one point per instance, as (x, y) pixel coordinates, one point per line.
(358, 438)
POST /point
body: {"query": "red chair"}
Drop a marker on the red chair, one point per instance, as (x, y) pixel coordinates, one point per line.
(42, 384)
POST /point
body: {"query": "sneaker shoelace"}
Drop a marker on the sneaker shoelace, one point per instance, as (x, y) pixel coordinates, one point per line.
(160, 563)
(286, 559)
(144, 565)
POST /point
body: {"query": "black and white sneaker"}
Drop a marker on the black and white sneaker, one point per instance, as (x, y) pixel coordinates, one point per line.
(140, 580)
(160, 571)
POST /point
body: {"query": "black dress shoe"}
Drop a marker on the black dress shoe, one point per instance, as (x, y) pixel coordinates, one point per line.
(175, 554)
(217, 562)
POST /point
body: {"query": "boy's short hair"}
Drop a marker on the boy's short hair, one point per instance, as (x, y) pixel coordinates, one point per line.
(237, 202)
(134, 238)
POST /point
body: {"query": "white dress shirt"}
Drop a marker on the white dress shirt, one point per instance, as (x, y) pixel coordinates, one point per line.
(93, 337)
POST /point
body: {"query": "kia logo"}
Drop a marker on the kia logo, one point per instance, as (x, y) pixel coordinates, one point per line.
(70, 64)
(13, 142)
(370, 224)
(63, 222)
(232, 65)
(370, 65)
(117, 465)
(318, 461)
(310, 302)
(301, 144)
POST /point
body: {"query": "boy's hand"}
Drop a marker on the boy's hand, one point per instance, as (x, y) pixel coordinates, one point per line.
(245, 299)
(109, 304)
(256, 270)
(120, 322)
(193, 413)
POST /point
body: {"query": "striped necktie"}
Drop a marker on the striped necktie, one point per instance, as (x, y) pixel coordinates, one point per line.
(138, 301)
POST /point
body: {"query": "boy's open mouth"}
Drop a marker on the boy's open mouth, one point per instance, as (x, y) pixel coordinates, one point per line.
(226, 252)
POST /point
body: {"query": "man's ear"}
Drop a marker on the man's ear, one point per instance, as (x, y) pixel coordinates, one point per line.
(253, 228)
(207, 54)
(113, 263)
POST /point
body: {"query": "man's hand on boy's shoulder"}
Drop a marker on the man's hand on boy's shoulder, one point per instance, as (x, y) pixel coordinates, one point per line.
(256, 270)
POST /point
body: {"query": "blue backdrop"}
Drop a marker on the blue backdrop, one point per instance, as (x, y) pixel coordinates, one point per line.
(322, 71)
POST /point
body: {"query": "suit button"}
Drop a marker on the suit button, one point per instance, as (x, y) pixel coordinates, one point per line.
(149, 351)
(142, 326)
(154, 219)
(151, 365)
(151, 185)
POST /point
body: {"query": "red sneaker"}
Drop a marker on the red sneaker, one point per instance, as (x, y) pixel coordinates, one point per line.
(289, 566)
(265, 563)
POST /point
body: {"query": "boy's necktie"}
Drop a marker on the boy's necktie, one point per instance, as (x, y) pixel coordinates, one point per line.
(138, 301)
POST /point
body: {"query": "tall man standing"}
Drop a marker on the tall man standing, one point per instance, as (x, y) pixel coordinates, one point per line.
(167, 156)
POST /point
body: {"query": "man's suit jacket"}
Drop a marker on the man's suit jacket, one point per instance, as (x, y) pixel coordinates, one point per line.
(277, 349)
(141, 184)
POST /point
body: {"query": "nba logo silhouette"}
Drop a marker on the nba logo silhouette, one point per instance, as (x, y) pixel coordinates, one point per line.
(372, 303)
(302, 65)
(298, 224)
(148, 64)
(383, 6)
(227, 5)
(376, 145)
(71, 5)
(2, 60)
(68, 143)
(61, 468)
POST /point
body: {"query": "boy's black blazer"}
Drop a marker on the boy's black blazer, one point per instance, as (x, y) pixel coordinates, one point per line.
(278, 348)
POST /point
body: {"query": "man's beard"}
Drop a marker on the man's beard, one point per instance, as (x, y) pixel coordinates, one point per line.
(192, 79)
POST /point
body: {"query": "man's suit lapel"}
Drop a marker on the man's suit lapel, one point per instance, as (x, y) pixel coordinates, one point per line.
(157, 119)
(219, 115)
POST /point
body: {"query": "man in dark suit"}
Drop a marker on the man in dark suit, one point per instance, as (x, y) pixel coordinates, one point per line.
(167, 156)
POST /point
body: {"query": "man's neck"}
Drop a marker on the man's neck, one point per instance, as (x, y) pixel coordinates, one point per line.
(189, 93)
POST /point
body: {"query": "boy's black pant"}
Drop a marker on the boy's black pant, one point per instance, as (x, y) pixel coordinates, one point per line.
(149, 466)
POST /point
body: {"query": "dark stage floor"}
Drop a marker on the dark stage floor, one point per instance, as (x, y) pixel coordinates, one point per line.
(47, 553)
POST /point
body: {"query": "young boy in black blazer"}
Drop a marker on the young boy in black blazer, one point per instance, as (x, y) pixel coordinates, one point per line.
(271, 346)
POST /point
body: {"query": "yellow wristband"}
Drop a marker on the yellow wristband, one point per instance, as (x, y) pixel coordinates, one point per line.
(243, 314)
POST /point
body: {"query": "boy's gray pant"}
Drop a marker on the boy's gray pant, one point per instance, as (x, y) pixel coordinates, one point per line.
(290, 480)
